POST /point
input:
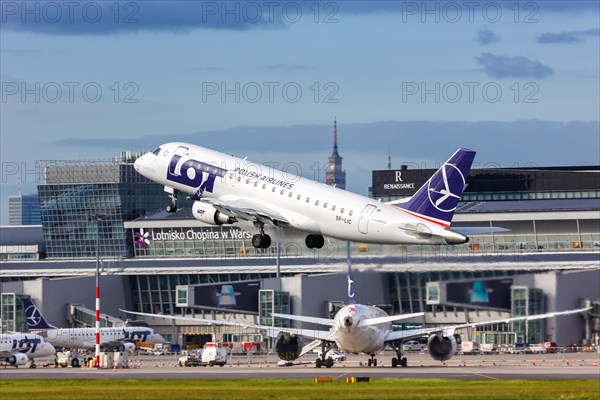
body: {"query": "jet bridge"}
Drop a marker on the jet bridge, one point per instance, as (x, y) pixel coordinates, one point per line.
(80, 316)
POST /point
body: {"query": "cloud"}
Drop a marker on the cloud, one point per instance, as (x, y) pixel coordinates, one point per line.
(181, 17)
(286, 67)
(573, 37)
(498, 66)
(486, 36)
(107, 18)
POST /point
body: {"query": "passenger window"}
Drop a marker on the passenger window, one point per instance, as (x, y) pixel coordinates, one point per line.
(282, 192)
(351, 212)
(256, 184)
(265, 186)
(230, 176)
(291, 194)
(308, 199)
(332, 208)
(317, 203)
(274, 189)
(342, 210)
(239, 178)
(325, 205)
(299, 197)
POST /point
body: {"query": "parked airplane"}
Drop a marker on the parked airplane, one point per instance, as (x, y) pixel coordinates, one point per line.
(358, 328)
(119, 338)
(18, 348)
(227, 190)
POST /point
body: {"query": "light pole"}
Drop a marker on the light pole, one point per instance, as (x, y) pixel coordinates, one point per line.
(97, 218)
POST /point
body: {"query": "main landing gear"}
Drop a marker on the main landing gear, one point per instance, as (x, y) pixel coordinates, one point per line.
(314, 241)
(398, 361)
(171, 208)
(322, 361)
(261, 240)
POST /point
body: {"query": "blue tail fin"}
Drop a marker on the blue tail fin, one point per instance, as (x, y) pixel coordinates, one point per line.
(34, 318)
(437, 199)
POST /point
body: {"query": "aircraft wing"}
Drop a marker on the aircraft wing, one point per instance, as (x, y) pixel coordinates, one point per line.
(478, 230)
(449, 330)
(248, 210)
(271, 331)
(312, 320)
(391, 318)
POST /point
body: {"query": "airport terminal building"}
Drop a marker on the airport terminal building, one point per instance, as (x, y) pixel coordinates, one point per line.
(156, 262)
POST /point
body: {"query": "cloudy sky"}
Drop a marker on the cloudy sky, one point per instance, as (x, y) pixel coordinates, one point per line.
(516, 81)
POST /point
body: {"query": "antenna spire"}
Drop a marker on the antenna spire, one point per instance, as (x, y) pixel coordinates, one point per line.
(335, 132)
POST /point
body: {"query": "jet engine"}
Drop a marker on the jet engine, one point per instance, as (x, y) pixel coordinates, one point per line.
(442, 348)
(207, 213)
(18, 359)
(287, 346)
(127, 347)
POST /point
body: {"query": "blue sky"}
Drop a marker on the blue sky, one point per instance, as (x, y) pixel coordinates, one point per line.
(514, 85)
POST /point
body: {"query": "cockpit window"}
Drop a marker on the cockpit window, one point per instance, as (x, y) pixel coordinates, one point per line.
(156, 152)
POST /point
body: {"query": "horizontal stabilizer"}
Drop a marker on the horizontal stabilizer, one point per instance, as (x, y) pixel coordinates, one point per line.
(391, 318)
(303, 318)
(479, 230)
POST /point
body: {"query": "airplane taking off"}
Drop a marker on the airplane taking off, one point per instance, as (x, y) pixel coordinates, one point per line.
(358, 328)
(18, 348)
(227, 190)
(120, 338)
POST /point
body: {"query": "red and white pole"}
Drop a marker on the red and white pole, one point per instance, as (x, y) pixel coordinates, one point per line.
(97, 217)
(97, 354)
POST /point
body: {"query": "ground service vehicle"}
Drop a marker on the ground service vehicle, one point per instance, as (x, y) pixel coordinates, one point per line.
(189, 359)
(213, 356)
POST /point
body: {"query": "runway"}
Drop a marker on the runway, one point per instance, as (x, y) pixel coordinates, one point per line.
(572, 366)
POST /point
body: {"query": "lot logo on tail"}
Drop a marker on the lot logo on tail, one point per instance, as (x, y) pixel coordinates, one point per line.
(33, 315)
(445, 187)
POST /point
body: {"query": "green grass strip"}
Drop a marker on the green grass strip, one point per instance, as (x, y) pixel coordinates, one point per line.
(295, 389)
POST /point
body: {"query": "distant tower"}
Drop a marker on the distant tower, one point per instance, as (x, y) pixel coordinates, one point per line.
(389, 161)
(335, 176)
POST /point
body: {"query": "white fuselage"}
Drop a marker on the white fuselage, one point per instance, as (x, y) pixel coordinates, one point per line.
(30, 344)
(307, 205)
(85, 338)
(352, 338)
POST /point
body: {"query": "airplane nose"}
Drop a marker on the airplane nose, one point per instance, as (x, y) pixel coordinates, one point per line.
(348, 322)
(137, 163)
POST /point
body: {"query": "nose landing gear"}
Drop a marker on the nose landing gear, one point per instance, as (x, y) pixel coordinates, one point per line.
(171, 208)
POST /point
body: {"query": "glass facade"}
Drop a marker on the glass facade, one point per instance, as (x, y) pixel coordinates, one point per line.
(498, 183)
(158, 293)
(273, 301)
(527, 301)
(12, 313)
(73, 193)
(408, 290)
(24, 210)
